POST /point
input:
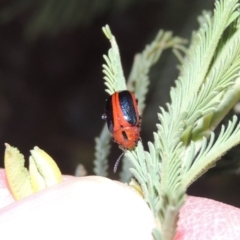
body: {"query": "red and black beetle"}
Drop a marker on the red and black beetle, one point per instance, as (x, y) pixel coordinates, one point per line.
(123, 120)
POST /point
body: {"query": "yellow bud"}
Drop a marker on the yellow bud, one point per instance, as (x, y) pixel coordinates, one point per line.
(43, 170)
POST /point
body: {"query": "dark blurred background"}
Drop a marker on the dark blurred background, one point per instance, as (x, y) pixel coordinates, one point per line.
(51, 87)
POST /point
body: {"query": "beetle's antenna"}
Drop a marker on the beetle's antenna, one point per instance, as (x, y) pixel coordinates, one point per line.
(117, 162)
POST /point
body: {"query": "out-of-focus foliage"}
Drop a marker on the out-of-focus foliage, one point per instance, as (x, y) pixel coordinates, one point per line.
(52, 16)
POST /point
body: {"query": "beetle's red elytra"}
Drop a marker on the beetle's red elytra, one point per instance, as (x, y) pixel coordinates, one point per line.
(123, 120)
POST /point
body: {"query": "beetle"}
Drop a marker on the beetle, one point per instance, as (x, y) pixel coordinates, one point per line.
(123, 119)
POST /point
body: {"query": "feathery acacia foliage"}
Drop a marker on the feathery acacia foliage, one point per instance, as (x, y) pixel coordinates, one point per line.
(185, 145)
